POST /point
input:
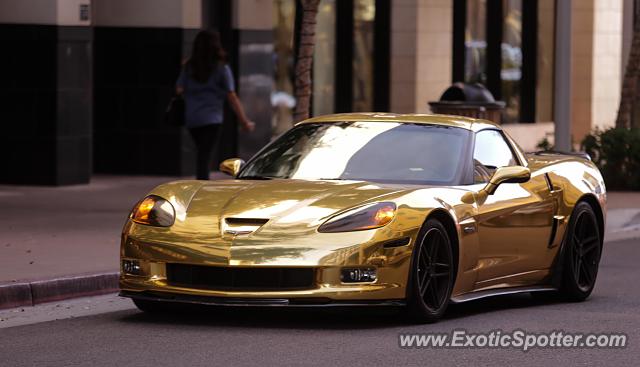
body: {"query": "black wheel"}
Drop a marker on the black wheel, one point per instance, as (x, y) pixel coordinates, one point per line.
(151, 306)
(582, 256)
(432, 273)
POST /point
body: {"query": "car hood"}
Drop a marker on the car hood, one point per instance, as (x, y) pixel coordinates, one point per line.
(282, 204)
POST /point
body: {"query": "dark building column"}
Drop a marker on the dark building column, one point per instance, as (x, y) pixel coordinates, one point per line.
(459, 48)
(137, 61)
(495, 22)
(74, 105)
(46, 98)
(382, 56)
(344, 57)
(135, 73)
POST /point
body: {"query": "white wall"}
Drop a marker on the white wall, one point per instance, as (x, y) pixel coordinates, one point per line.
(421, 54)
(253, 14)
(434, 56)
(148, 13)
(607, 58)
(46, 12)
(117, 13)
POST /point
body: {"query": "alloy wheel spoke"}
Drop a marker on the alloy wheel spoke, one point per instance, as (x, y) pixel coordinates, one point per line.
(575, 239)
(424, 261)
(425, 287)
(433, 293)
(424, 278)
(582, 227)
(587, 271)
(433, 251)
(589, 244)
(576, 269)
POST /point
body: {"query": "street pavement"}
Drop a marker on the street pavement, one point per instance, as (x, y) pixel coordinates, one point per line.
(109, 331)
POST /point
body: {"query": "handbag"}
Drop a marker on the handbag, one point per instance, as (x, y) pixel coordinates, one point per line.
(174, 114)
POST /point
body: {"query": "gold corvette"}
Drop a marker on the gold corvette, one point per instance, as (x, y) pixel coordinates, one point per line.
(371, 209)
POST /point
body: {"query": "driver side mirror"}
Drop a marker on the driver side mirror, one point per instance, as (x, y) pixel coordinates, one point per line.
(231, 166)
(511, 174)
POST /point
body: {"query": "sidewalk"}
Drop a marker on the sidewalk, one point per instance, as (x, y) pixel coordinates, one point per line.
(623, 216)
(57, 242)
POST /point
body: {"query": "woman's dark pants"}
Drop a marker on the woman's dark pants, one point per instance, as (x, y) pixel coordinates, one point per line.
(205, 139)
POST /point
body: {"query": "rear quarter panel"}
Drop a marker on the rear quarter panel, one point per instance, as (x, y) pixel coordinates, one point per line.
(573, 179)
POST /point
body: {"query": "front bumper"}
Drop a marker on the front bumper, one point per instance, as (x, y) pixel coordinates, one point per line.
(326, 287)
(327, 256)
(391, 265)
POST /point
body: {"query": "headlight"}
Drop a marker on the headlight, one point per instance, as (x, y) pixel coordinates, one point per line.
(361, 218)
(154, 211)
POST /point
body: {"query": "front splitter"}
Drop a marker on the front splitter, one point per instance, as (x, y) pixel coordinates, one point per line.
(256, 302)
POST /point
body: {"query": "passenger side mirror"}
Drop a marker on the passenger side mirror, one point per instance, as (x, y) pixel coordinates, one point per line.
(511, 174)
(231, 166)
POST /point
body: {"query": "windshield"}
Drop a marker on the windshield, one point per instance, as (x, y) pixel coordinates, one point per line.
(368, 151)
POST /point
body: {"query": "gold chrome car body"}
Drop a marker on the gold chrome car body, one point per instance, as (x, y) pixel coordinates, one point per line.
(506, 235)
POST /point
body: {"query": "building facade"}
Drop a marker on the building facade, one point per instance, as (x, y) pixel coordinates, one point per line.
(85, 82)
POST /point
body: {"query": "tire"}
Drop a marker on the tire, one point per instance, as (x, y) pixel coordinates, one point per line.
(149, 306)
(583, 249)
(432, 274)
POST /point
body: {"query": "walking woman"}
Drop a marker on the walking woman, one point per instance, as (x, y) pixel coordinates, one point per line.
(205, 82)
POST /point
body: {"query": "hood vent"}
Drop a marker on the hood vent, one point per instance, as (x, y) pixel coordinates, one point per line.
(240, 226)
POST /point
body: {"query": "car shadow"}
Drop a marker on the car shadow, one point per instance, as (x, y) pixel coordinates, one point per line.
(277, 317)
(335, 318)
(498, 304)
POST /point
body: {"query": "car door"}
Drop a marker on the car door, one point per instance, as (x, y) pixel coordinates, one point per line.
(514, 224)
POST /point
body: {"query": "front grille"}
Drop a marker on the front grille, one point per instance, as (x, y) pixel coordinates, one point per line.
(241, 279)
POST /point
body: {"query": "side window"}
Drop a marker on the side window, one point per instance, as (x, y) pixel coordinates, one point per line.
(490, 152)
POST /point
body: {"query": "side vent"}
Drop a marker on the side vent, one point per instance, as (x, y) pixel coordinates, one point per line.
(240, 226)
(397, 243)
(554, 230)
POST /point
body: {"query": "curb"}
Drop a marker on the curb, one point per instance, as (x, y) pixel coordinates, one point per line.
(31, 293)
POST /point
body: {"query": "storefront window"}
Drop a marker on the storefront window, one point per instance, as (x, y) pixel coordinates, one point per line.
(282, 99)
(363, 32)
(324, 59)
(508, 47)
(355, 33)
(511, 72)
(476, 42)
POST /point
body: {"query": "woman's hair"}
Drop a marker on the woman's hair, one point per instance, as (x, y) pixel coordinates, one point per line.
(207, 54)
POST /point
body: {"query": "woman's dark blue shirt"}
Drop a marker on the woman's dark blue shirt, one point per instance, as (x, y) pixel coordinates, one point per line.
(204, 102)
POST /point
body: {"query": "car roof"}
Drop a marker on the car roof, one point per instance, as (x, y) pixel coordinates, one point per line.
(413, 118)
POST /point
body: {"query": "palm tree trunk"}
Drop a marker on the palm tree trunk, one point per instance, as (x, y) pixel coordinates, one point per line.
(306, 44)
(630, 81)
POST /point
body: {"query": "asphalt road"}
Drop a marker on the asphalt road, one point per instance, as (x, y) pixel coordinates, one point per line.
(108, 331)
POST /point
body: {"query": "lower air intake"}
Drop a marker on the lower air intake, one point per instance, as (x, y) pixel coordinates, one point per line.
(240, 279)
